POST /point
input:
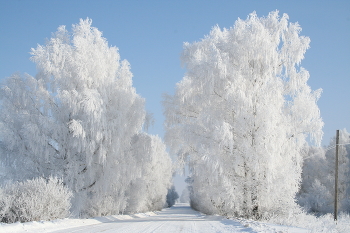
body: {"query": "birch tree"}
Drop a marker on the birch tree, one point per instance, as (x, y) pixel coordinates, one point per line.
(242, 114)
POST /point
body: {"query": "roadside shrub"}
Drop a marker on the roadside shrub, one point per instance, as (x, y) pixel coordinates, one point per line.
(324, 223)
(34, 200)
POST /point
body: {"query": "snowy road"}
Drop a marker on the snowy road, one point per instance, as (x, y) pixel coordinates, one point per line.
(179, 218)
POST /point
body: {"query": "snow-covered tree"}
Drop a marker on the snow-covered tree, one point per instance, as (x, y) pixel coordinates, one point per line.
(241, 116)
(148, 191)
(317, 188)
(76, 120)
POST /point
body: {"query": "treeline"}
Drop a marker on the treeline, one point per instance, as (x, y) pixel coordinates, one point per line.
(317, 191)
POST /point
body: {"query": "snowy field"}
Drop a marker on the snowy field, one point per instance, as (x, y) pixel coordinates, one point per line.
(179, 218)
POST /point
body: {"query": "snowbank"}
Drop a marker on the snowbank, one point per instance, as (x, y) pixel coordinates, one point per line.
(60, 224)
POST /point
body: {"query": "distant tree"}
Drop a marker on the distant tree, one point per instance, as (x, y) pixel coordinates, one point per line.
(76, 120)
(241, 116)
(185, 196)
(172, 196)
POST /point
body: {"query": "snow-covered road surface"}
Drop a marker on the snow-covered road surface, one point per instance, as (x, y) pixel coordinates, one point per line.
(179, 218)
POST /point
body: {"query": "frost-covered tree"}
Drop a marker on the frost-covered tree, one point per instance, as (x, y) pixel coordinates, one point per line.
(241, 116)
(317, 188)
(76, 120)
(148, 192)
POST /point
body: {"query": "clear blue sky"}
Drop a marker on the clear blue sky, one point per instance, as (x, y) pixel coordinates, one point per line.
(150, 35)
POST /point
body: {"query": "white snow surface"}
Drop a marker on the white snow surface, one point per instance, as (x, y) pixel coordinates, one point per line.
(179, 218)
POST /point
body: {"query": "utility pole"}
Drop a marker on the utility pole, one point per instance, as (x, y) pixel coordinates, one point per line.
(336, 177)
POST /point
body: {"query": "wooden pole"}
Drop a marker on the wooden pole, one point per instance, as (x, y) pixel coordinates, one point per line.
(336, 178)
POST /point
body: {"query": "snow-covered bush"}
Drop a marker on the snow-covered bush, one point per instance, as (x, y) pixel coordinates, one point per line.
(321, 224)
(241, 116)
(34, 200)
